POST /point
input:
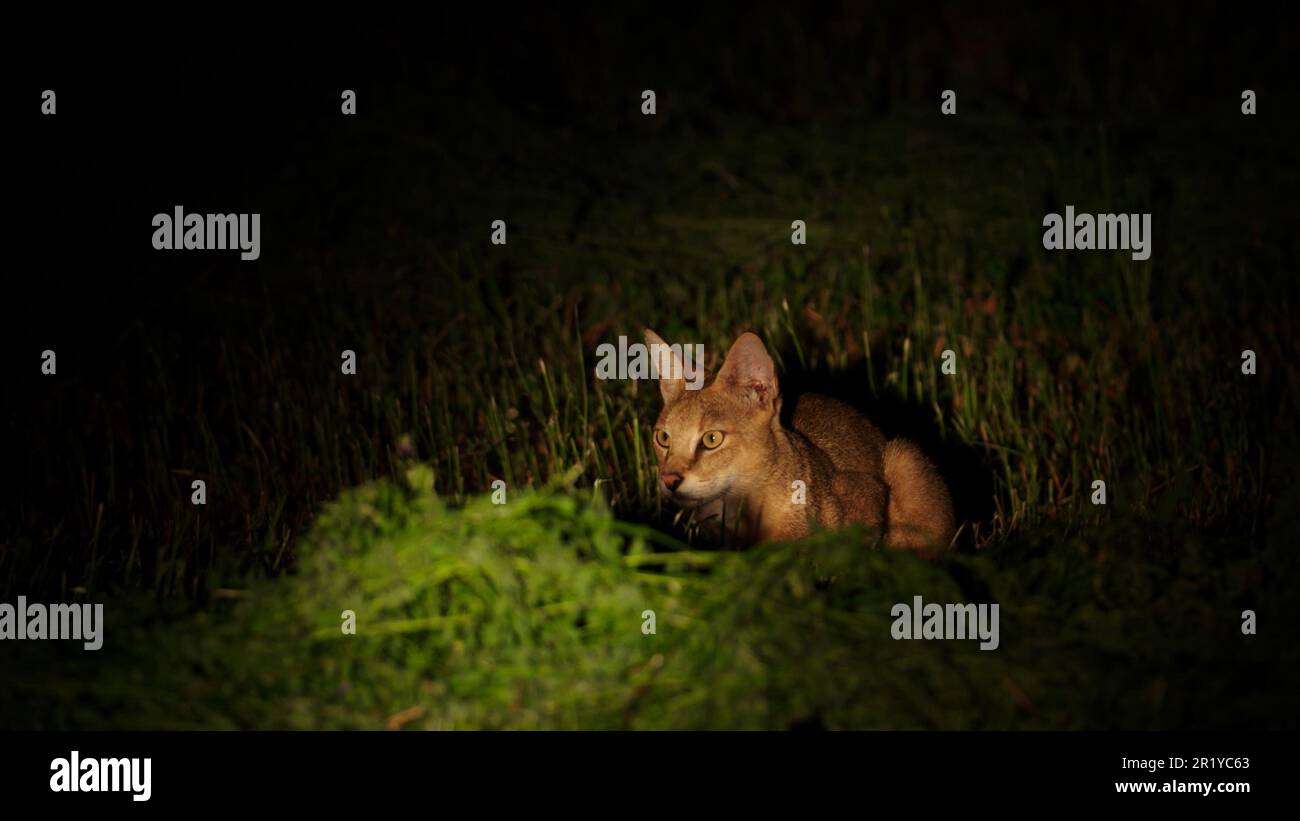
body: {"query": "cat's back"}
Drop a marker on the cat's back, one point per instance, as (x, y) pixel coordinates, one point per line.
(846, 436)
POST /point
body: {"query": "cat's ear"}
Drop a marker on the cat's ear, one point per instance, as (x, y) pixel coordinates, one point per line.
(748, 372)
(667, 367)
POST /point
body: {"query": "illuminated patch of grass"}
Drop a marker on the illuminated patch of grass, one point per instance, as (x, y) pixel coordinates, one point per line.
(530, 614)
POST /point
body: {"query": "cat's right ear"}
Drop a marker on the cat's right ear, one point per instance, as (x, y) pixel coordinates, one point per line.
(749, 373)
(666, 367)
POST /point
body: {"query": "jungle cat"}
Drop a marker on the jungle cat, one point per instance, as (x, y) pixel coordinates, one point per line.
(724, 453)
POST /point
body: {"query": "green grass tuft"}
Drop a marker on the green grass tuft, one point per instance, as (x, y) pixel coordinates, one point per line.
(529, 615)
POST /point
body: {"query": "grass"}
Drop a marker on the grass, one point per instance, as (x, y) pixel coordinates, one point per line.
(479, 360)
(475, 362)
(530, 614)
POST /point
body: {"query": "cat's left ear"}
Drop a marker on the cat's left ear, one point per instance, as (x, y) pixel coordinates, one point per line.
(667, 367)
(748, 371)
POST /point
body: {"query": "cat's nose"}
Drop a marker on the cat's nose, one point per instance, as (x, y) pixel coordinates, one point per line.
(671, 480)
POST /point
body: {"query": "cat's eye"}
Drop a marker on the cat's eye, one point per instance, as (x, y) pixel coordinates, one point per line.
(661, 438)
(712, 439)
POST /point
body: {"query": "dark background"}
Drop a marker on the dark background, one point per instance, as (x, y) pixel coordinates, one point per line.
(226, 114)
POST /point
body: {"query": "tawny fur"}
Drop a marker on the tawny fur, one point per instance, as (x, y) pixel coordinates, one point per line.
(851, 473)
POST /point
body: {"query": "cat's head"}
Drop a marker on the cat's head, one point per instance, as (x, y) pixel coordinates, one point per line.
(718, 440)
